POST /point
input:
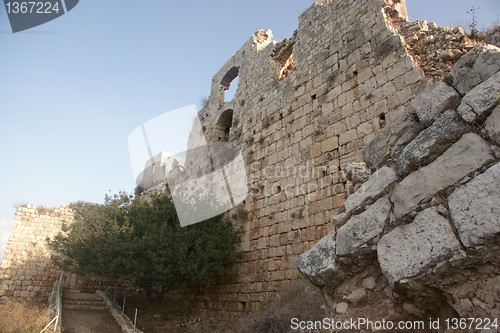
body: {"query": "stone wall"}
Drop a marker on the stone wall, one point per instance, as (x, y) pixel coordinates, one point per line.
(420, 238)
(26, 270)
(304, 109)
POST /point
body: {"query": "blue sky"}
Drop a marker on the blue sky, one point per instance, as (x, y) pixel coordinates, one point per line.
(72, 90)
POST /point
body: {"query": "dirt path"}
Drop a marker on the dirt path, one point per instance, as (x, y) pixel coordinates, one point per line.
(89, 321)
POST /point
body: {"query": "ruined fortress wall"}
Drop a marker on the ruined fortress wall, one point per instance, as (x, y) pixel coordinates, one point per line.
(26, 270)
(299, 131)
(304, 110)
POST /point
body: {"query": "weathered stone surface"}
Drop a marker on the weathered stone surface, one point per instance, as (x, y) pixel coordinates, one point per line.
(434, 100)
(416, 248)
(475, 208)
(493, 125)
(373, 188)
(493, 36)
(357, 295)
(431, 142)
(475, 67)
(360, 234)
(470, 153)
(488, 62)
(391, 139)
(480, 99)
(465, 79)
(319, 266)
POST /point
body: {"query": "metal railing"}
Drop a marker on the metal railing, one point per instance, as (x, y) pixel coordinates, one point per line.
(55, 304)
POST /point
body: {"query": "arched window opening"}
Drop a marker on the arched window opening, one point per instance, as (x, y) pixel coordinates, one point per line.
(223, 126)
(229, 83)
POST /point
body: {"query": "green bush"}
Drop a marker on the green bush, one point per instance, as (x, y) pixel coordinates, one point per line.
(129, 238)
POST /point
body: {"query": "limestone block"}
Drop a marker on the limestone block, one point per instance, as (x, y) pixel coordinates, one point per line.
(373, 188)
(488, 62)
(357, 295)
(475, 208)
(418, 247)
(493, 36)
(319, 266)
(480, 99)
(434, 100)
(358, 237)
(431, 142)
(330, 144)
(468, 154)
(475, 67)
(493, 125)
(391, 139)
(465, 79)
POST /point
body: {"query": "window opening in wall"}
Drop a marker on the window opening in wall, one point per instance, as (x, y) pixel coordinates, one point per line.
(223, 126)
(283, 55)
(230, 84)
(381, 118)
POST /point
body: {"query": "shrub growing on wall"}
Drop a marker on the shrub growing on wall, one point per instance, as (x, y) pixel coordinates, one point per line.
(128, 238)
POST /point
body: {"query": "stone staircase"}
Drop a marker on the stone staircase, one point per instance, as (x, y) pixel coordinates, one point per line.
(73, 299)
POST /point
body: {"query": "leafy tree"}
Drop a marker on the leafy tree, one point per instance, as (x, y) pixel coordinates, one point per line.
(129, 238)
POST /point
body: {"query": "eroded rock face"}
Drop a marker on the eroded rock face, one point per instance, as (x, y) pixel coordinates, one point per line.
(391, 139)
(319, 266)
(431, 142)
(475, 208)
(413, 249)
(434, 224)
(493, 125)
(481, 99)
(467, 155)
(435, 100)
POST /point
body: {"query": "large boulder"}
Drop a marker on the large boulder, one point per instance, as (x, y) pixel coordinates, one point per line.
(357, 239)
(433, 101)
(431, 142)
(475, 208)
(468, 154)
(319, 266)
(481, 99)
(373, 188)
(417, 248)
(475, 67)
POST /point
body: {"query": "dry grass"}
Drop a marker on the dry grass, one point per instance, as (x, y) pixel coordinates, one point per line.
(19, 317)
(302, 300)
